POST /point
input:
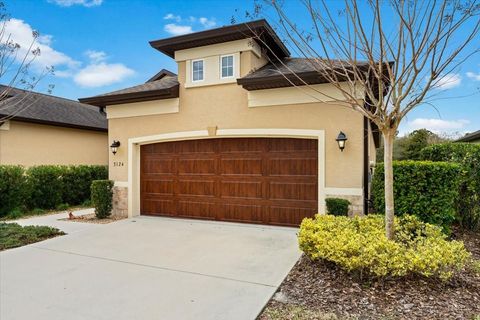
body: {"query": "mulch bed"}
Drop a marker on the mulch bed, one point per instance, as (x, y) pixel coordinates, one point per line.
(328, 289)
(91, 218)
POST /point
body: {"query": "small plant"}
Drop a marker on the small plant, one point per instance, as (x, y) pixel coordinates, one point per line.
(337, 206)
(37, 212)
(15, 214)
(87, 203)
(63, 206)
(102, 192)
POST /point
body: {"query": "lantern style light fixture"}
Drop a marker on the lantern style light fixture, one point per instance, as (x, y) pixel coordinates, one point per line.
(114, 146)
(341, 140)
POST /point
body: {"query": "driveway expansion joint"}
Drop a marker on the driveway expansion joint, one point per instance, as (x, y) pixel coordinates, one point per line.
(156, 267)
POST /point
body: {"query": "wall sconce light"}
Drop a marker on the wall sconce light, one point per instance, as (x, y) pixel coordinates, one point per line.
(341, 140)
(114, 146)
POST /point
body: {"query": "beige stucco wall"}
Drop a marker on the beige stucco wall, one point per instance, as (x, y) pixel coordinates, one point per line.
(225, 106)
(35, 144)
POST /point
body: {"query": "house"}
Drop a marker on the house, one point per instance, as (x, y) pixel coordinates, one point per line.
(473, 137)
(40, 129)
(229, 138)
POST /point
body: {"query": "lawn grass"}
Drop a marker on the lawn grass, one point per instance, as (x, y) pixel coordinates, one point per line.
(13, 235)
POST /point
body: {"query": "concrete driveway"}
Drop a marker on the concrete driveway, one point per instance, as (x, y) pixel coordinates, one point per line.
(148, 268)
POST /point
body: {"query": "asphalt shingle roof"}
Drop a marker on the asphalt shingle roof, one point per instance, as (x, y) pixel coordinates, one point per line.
(470, 137)
(289, 66)
(166, 82)
(41, 108)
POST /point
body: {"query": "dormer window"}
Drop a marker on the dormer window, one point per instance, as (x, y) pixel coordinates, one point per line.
(197, 70)
(226, 66)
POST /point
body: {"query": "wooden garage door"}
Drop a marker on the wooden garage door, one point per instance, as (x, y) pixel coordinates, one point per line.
(255, 180)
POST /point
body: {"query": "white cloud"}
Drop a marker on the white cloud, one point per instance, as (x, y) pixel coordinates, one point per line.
(474, 76)
(99, 73)
(96, 56)
(185, 25)
(69, 3)
(207, 23)
(22, 33)
(171, 16)
(436, 125)
(448, 81)
(102, 74)
(177, 30)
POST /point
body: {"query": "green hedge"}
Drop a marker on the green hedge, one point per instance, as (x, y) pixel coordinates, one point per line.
(46, 187)
(337, 206)
(44, 184)
(422, 188)
(102, 192)
(77, 181)
(12, 188)
(468, 156)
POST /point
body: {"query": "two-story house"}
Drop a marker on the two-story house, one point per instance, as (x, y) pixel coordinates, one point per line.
(229, 138)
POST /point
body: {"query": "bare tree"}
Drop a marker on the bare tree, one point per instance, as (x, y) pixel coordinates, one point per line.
(398, 54)
(16, 67)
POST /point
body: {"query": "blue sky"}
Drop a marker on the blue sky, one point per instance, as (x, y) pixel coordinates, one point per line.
(99, 46)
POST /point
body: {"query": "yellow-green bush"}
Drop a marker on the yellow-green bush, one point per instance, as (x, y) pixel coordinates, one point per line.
(360, 245)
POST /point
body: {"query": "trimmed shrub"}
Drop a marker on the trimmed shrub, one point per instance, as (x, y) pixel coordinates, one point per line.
(425, 189)
(77, 180)
(359, 245)
(45, 186)
(337, 206)
(12, 188)
(468, 156)
(102, 192)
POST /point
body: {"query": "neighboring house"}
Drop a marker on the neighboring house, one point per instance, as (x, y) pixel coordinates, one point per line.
(38, 129)
(473, 137)
(229, 138)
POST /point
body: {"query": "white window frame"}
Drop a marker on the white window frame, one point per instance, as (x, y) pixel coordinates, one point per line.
(203, 70)
(233, 66)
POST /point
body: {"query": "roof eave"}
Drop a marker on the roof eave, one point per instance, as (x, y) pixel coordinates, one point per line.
(56, 123)
(102, 101)
(471, 137)
(167, 46)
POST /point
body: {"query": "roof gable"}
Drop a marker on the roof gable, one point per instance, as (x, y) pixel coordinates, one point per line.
(253, 29)
(165, 87)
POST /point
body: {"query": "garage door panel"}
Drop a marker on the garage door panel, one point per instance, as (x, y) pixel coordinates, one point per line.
(196, 166)
(159, 148)
(292, 191)
(158, 166)
(196, 209)
(242, 213)
(292, 145)
(196, 188)
(256, 180)
(288, 215)
(293, 167)
(195, 146)
(241, 166)
(240, 145)
(158, 187)
(158, 207)
(241, 189)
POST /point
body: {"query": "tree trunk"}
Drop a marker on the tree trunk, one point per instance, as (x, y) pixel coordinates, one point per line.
(388, 138)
